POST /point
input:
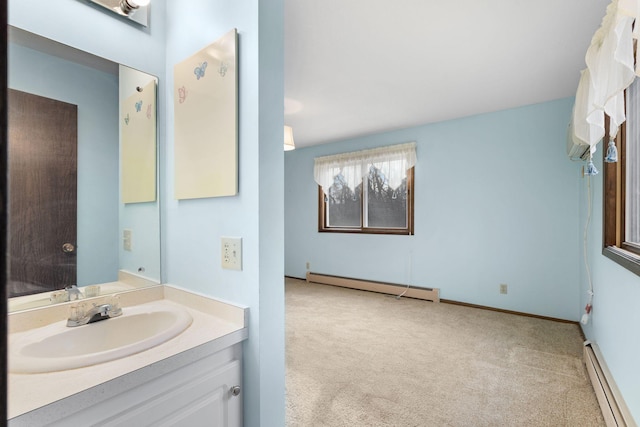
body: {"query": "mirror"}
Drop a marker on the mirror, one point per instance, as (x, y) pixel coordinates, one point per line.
(70, 146)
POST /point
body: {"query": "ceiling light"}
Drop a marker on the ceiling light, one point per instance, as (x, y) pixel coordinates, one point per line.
(288, 139)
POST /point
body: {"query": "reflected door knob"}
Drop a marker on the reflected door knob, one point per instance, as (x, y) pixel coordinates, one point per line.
(235, 390)
(68, 248)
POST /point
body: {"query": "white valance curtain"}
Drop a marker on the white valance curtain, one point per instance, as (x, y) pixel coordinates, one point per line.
(610, 70)
(393, 161)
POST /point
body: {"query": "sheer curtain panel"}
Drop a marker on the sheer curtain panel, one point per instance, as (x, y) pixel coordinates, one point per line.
(393, 161)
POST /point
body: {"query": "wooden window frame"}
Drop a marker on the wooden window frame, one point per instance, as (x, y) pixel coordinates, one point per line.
(613, 210)
(407, 231)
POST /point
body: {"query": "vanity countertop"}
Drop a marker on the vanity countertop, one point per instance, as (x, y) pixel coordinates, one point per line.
(214, 323)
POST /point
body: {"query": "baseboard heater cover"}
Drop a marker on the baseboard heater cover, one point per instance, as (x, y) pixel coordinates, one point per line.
(614, 409)
(429, 294)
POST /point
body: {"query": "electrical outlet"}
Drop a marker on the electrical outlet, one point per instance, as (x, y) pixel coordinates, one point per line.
(126, 239)
(503, 288)
(231, 253)
(308, 265)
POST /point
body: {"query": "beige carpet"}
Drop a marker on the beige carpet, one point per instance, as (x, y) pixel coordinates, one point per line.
(358, 358)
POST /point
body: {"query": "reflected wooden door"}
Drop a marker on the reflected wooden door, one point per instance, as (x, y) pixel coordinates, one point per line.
(42, 193)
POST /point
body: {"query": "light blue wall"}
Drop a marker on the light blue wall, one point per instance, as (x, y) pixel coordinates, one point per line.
(96, 95)
(192, 228)
(496, 201)
(87, 27)
(615, 321)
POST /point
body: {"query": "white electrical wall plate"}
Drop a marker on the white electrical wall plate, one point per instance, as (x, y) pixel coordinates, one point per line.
(231, 253)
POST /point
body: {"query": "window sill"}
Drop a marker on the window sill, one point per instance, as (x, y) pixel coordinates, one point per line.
(627, 259)
(389, 231)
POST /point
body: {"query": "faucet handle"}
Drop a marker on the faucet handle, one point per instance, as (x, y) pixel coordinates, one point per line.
(92, 291)
(115, 309)
(57, 297)
(77, 312)
(114, 300)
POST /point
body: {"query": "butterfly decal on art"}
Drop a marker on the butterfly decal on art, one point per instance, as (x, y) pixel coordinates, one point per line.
(182, 94)
(200, 69)
(138, 106)
(126, 119)
(223, 68)
(149, 111)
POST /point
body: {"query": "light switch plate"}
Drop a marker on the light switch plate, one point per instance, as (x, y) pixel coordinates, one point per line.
(231, 253)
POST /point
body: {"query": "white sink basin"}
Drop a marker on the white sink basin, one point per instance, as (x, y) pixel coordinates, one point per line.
(56, 347)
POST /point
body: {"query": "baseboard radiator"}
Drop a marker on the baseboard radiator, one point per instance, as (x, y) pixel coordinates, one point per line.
(429, 294)
(614, 410)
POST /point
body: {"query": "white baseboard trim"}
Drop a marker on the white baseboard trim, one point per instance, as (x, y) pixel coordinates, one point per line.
(614, 409)
(429, 294)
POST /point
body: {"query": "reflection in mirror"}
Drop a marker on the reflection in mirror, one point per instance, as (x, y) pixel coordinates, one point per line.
(136, 11)
(69, 223)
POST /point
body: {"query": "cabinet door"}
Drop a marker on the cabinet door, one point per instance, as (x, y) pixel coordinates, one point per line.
(203, 400)
(195, 395)
(214, 402)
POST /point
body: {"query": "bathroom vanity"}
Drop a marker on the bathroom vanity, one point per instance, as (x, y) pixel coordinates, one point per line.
(194, 378)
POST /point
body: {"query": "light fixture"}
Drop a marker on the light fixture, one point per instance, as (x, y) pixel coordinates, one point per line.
(130, 6)
(288, 139)
(132, 10)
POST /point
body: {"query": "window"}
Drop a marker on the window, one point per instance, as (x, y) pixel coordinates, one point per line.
(368, 191)
(622, 190)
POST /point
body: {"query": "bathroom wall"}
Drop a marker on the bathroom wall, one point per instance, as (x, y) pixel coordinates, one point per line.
(496, 201)
(97, 233)
(615, 320)
(193, 228)
(86, 27)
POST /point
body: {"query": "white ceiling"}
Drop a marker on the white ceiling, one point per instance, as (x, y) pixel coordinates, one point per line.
(357, 67)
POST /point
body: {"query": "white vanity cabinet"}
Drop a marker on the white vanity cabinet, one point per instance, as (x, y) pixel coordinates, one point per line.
(193, 379)
(203, 392)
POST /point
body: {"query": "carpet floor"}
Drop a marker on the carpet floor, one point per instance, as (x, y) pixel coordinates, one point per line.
(358, 358)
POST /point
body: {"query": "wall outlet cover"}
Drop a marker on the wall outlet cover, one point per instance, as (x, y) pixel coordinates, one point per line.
(231, 253)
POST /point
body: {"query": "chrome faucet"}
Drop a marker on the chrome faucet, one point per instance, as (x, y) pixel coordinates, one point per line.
(79, 317)
(73, 293)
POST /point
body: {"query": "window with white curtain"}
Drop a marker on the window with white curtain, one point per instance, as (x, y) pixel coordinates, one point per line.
(369, 191)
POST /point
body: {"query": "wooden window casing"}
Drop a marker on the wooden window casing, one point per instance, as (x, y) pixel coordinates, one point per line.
(614, 213)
